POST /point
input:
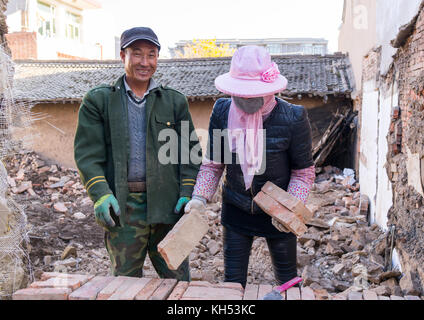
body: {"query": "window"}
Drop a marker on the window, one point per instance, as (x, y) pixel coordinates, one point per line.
(319, 49)
(307, 49)
(46, 23)
(274, 48)
(73, 26)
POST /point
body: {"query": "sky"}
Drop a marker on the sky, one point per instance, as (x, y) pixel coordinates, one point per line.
(174, 20)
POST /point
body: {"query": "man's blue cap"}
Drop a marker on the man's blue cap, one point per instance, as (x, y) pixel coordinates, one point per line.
(138, 33)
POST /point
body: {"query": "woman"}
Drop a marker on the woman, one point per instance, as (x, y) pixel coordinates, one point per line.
(267, 139)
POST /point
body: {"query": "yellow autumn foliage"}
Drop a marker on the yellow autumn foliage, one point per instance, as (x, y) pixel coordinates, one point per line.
(206, 48)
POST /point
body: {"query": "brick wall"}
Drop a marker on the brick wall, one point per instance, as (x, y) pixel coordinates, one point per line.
(23, 45)
(3, 25)
(407, 130)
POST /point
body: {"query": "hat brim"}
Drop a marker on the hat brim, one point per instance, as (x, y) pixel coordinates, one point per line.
(141, 38)
(249, 88)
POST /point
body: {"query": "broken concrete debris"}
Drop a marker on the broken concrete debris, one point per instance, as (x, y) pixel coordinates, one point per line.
(337, 239)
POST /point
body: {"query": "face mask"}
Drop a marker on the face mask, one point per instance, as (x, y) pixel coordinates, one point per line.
(249, 105)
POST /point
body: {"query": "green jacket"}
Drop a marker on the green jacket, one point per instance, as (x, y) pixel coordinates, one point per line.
(101, 148)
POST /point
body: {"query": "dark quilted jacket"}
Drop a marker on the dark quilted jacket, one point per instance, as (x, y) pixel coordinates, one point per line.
(288, 146)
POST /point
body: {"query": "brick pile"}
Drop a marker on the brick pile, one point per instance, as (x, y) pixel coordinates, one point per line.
(63, 286)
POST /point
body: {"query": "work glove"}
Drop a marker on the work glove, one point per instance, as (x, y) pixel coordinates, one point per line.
(180, 204)
(101, 210)
(279, 226)
(198, 203)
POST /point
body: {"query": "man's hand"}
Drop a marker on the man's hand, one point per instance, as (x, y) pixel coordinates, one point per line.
(279, 226)
(101, 210)
(197, 203)
(180, 204)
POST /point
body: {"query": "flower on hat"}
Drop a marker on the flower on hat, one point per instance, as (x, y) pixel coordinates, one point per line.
(271, 74)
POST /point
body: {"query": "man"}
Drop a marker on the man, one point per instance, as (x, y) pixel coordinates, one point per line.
(137, 197)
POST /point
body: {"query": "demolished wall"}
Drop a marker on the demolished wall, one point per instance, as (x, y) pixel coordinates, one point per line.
(405, 166)
(3, 25)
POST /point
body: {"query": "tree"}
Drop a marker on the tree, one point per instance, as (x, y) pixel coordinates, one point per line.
(204, 48)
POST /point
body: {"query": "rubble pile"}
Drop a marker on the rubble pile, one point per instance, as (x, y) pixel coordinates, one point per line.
(340, 252)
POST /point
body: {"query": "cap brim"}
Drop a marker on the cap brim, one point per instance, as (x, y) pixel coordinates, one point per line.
(249, 88)
(141, 38)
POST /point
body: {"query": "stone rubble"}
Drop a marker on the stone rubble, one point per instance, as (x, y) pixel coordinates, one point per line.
(340, 252)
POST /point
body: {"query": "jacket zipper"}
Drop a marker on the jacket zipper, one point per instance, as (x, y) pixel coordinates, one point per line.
(251, 192)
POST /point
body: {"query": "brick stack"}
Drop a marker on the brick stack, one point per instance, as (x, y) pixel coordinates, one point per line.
(285, 208)
(62, 286)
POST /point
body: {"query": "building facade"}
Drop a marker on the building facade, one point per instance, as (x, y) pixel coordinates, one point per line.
(56, 88)
(275, 46)
(50, 29)
(389, 96)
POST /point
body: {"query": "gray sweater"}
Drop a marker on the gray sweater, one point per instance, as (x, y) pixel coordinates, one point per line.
(137, 132)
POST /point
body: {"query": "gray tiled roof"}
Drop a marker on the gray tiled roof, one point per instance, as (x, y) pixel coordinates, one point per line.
(57, 81)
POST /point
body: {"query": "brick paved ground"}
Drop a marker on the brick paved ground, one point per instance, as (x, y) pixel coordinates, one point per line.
(61, 286)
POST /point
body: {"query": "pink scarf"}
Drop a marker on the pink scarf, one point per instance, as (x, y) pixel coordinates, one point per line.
(246, 137)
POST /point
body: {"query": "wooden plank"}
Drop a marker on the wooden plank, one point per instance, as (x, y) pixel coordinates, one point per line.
(148, 290)
(164, 289)
(179, 290)
(251, 292)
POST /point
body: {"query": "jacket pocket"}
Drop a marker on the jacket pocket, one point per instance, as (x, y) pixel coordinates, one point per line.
(165, 121)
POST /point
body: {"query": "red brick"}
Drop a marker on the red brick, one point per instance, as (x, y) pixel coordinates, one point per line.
(280, 213)
(70, 282)
(82, 277)
(370, 295)
(23, 45)
(307, 293)
(148, 290)
(263, 290)
(288, 201)
(182, 239)
(338, 297)
(130, 288)
(42, 294)
(293, 294)
(164, 290)
(322, 294)
(110, 289)
(354, 295)
(251, 292)
(179, 290)
(91, 289)
(229, 285)
(205, 293)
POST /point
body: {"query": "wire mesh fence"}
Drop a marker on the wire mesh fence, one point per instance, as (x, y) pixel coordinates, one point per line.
(15, 124)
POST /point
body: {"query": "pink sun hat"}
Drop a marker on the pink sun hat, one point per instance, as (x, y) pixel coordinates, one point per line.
(252, 74)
